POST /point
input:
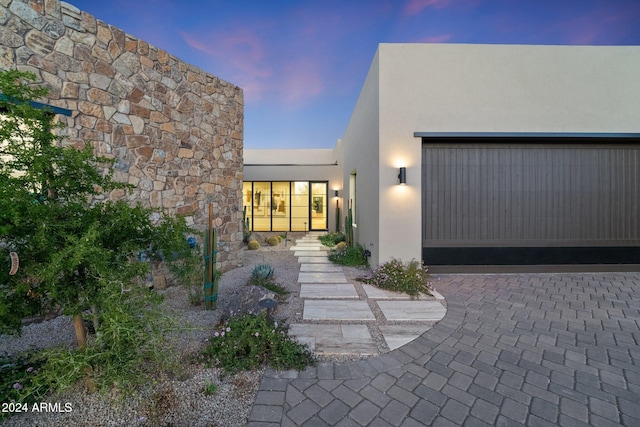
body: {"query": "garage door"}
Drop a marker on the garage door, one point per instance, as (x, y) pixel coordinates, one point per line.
(523, 202)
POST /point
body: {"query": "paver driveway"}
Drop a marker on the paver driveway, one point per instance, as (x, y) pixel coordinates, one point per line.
(513, 349)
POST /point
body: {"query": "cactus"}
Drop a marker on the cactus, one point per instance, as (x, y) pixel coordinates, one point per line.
(273, 241)
(341, 245)
(348, 226)
(246, 230)
(253, 245)
(262, 271)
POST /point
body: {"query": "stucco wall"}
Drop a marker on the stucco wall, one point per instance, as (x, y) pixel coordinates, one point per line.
(472, 88)
(360, 146)
(174, 130)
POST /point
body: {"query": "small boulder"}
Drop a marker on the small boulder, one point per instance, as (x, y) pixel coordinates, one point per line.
(249, 299)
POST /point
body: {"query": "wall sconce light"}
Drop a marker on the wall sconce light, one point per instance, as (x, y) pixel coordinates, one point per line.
(402, 176)
(336, 193)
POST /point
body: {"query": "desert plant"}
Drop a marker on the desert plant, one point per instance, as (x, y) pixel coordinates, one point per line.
(332, 238)
(210, 388)
(249, 341)
(341, 245)
(352, 256)
(188, 272)
(253, 245)
(263, 271)
(273, 241)
(263, 275)
(246, 229)
(394, 275)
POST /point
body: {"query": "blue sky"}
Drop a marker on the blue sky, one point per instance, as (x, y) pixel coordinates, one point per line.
(302, 63)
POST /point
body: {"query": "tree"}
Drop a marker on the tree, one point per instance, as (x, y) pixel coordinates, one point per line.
(76, 252)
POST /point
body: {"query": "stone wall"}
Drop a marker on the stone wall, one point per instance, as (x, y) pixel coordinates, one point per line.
(174, 131)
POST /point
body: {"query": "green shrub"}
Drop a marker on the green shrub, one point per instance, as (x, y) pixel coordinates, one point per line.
(273, 241)
(253, 245)
(410, 278)
(209, 388)
(332, 238)
(348, 256)
(130, 348)
(18, 379)
(249, 341)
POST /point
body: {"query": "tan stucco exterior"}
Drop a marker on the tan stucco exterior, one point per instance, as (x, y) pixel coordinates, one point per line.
(471, 88)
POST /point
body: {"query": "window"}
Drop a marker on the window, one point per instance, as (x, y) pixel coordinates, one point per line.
(352, 196)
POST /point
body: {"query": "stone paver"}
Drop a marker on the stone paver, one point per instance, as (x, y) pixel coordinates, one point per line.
(309, 252)
(398, 335)
(335, 339)
(321, 277)
(412, 310)
(314, 260)
(377, 293)
(327, 268)
(337, 310)
(512, 349)
(328, 291)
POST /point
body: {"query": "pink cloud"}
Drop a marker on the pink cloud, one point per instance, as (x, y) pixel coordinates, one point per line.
(290, 71)
(302, 80)
(414, 7)
(241, 54)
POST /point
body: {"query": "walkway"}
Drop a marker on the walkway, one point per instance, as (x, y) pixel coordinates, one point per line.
(342, 318)
(512, 349)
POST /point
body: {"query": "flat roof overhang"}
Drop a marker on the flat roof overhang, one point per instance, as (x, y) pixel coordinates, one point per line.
(564, 137)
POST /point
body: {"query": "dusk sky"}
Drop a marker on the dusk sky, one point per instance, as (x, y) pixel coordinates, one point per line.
(302, 63)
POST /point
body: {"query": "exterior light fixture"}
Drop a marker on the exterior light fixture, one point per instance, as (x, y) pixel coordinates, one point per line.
(402, 176)
(336, 193)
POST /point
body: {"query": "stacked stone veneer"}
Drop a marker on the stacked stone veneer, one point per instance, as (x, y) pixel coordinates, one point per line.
(174, 131)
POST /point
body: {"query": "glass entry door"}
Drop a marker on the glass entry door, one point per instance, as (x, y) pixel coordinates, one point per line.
(318, 205)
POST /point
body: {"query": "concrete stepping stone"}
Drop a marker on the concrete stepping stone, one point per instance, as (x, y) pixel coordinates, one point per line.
(374, 292)
(336, 310)
(305, 248)
(335, 339)
(328, 290)
(326, 268)
(437, 294)
(399, 335)
(321, 277)
(314, 260)
(412, 310)
(310, 253)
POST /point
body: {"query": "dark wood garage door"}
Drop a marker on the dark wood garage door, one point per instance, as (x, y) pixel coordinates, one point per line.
(523, 202)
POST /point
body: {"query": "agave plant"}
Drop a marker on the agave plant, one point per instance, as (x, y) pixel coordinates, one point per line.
(262, 271)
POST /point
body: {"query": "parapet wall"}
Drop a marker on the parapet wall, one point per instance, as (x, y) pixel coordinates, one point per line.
(174, 130)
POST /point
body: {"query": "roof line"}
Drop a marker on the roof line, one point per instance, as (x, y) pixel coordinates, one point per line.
(589, 135)
(292, 164)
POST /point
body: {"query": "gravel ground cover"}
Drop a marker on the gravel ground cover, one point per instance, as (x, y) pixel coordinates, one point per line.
(178, 400)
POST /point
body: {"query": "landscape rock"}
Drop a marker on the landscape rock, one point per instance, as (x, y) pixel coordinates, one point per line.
(249, 299)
